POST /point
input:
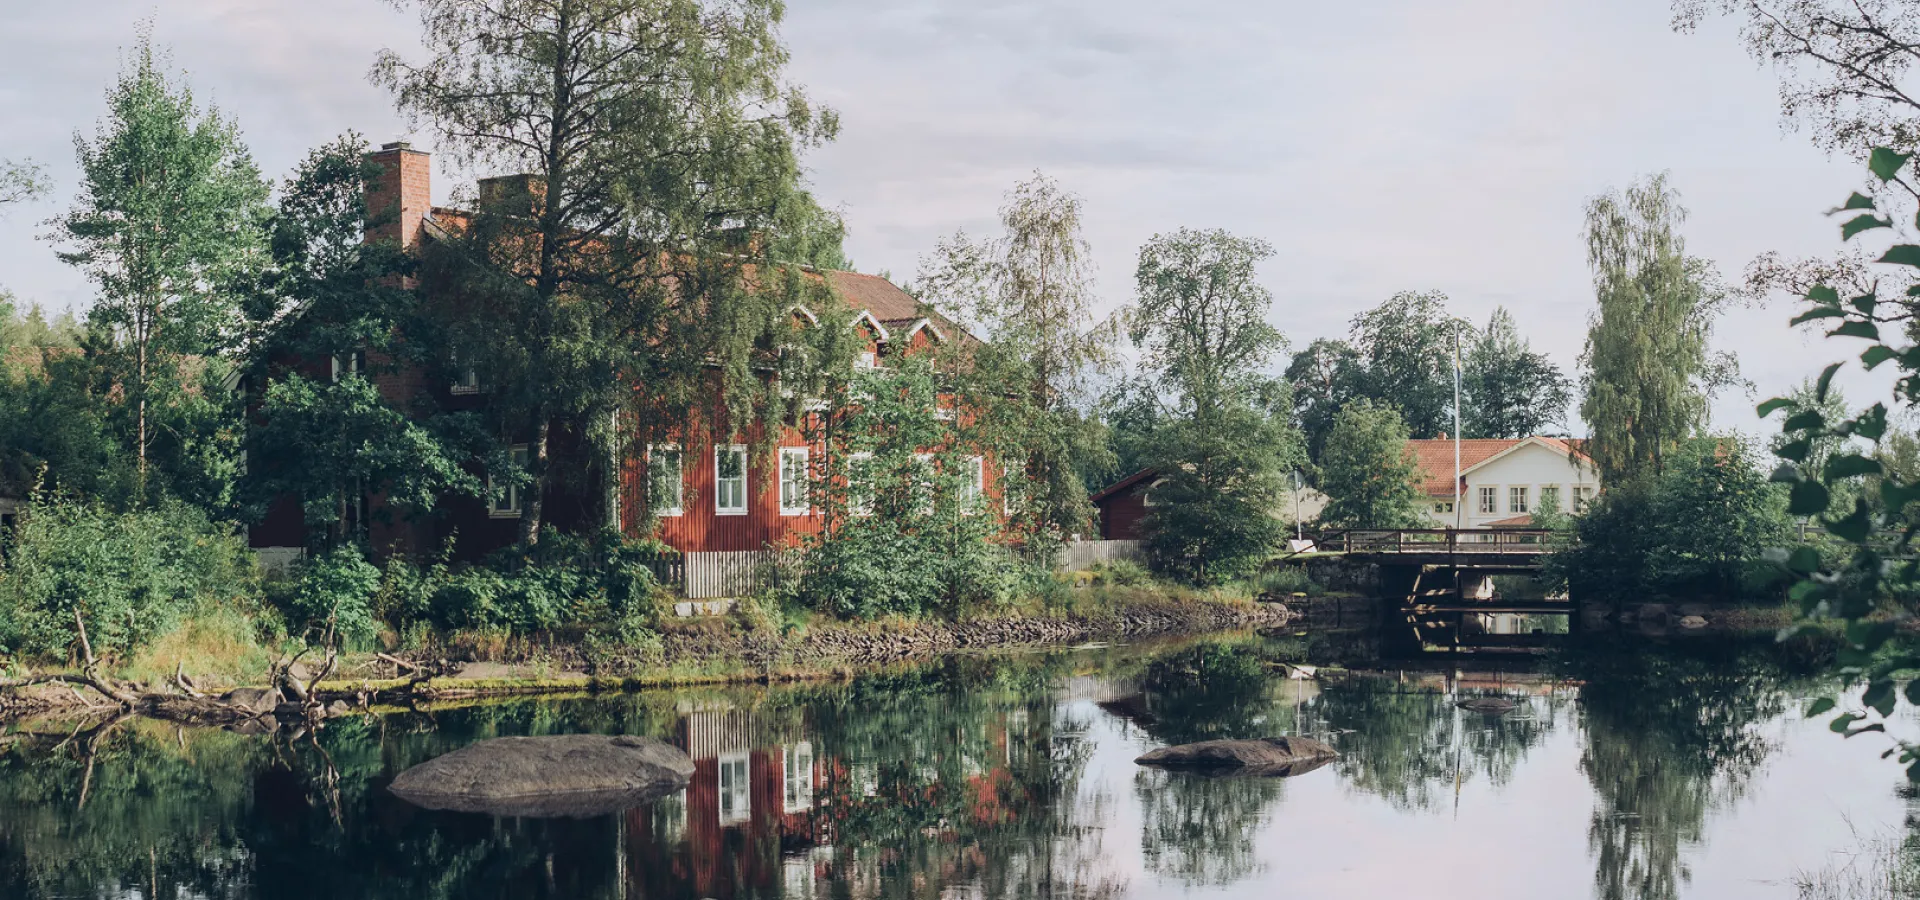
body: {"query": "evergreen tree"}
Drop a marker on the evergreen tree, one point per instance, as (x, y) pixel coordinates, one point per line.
(167, 226)
(1226, 444)
(1369, 478)
(660, 146)
(1647, 368)
(1509, 391)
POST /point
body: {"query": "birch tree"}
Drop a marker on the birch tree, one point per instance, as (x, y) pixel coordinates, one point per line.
(1647, 366)
(168, 222)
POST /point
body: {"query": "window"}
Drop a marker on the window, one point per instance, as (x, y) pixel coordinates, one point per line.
(469, 381)
(666, 479)
(1550, 497)
(798, 778)
(860, 484)
(506, 497)
(973, 483)
(350, 364)
(868, 359)
(923, 483)
(1443, 507)
(1582, 495)
(1516, 499)
(1489, 498)
(736, 795)
(730, 479)
(794, 479)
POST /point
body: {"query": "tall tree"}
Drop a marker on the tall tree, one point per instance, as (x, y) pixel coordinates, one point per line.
(1646, 360)
(1226, 445)
(167, 226)
(661, 145)
(1030, 292)
(1407, 345)
(1325, 377)
(1366, 472)
(1509, 390)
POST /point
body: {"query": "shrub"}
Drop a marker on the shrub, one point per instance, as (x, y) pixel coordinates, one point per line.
(1121, 573)
(130, 576)
(336, 587)
(1284, 582)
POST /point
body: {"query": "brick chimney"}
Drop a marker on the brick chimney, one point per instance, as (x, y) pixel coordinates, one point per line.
(401, 195)
(513, 195)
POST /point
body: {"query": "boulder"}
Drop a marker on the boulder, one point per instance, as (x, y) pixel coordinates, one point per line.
(575, 775)
(1279, 756)
(253, 700)
(1493, 706)
(1693, 622)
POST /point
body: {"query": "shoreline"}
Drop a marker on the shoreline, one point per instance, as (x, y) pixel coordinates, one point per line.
(716, 652)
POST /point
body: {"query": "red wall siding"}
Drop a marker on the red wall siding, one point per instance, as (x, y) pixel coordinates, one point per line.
(1120, 514)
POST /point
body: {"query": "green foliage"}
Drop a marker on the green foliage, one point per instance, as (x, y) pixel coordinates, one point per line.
(1407, 347)
(334, 594)
(1325, 377)
(1370, 479)
(130, 577)
(1029, 292)
(1220, 441)
(1643, 538)
(1508, 390)
(1648, 370)
(21, 182)
(168, 225)
(908, 531)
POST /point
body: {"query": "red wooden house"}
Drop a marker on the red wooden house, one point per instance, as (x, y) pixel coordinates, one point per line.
(714, 492)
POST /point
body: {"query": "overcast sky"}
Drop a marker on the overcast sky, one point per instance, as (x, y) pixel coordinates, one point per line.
(1380, 145)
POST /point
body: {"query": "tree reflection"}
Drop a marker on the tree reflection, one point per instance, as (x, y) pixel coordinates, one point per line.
(1200, 830)
(1672, 735)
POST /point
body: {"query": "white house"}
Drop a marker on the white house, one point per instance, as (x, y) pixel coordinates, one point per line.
(1503, 482)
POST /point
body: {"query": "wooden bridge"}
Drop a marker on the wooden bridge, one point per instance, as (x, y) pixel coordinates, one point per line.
(1490, 550)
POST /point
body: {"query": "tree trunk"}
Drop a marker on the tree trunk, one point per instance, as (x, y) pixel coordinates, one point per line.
(533, 505)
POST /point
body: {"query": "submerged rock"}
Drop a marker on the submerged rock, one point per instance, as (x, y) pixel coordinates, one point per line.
(574, 775)
(1279, 756)
(253, 700)
(1493, 706)
(1693, 621)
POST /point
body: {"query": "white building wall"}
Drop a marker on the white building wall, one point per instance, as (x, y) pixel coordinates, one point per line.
(1532, 467)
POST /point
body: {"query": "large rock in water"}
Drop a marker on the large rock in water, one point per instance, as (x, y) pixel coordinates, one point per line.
(576, 775)
(1277, 756)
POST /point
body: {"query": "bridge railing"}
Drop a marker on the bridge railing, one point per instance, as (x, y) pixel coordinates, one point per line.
(1434, 540)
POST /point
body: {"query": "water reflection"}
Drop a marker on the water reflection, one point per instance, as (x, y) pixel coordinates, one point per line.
(972, 778)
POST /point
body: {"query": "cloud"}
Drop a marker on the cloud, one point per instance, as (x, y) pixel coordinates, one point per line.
(1380, 146)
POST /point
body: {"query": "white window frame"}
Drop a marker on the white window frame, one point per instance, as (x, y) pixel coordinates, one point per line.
(739, 452)
(353, 363)
(1556, 491)
(1518, 492)
(856, 503)
(867, 360)
(1444, 507)
(923, 483)
(973, 493)
(797, 778)
(518, 454)
(1489, 500)
(655, 452)
(1583, 495)
(468, 383)
(805, 482)
(734, 800)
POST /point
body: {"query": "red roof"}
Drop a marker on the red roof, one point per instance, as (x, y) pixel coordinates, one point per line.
(1435, 457)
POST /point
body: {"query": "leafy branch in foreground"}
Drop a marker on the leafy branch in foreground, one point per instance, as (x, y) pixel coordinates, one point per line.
(1871, 558)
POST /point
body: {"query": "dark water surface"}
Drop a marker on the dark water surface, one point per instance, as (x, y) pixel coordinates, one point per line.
(1648, 771)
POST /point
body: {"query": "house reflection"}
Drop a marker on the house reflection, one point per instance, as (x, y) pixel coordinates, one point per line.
(766, 807)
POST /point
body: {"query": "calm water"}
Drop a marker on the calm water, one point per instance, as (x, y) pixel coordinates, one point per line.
(1681, 771)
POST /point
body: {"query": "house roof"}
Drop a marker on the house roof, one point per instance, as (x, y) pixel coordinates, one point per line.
(1435, 457)
(1121, 486)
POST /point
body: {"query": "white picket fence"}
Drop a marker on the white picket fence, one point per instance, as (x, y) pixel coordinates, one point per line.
(1082, 555)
